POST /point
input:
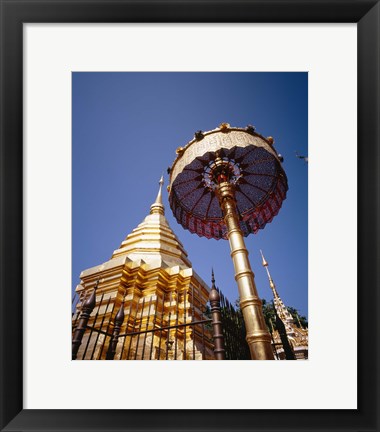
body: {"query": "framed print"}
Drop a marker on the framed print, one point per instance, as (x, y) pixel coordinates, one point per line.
(96, 98)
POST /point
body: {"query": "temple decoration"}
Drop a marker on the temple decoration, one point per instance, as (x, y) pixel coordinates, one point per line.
(296, 335)
(226, 184)
(251, 166)
(149, 282)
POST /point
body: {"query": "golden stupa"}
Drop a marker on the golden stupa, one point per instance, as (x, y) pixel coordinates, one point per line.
(149, 282)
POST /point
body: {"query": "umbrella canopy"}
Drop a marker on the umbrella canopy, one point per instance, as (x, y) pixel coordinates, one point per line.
(253, 167)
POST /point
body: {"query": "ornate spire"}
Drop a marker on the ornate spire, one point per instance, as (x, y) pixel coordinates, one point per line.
(271, 283)
(153, 239)
(281, 309)
(265, 264)
(157, 206)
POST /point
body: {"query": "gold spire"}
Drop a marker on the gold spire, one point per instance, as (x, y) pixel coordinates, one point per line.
(265, 264)
(157, 206)
(153, 239)
(278, 303)
(271, 283)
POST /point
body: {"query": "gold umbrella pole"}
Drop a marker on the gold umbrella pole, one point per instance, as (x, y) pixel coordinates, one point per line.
(258, 337)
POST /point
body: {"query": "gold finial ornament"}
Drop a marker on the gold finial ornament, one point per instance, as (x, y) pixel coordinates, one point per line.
(224, 127)
(157, 206)
(265, 264)
(271, 283)
(283, 313)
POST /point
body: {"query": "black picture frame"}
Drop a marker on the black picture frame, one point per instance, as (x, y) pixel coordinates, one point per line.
(367, 16)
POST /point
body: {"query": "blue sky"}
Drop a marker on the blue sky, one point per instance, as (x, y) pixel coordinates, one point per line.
(126, 128)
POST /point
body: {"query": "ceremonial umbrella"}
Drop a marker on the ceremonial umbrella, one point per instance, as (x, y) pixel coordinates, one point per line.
(227, 183)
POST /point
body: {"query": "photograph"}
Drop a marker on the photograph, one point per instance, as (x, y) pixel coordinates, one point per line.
(190, 181)
(190, 216)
